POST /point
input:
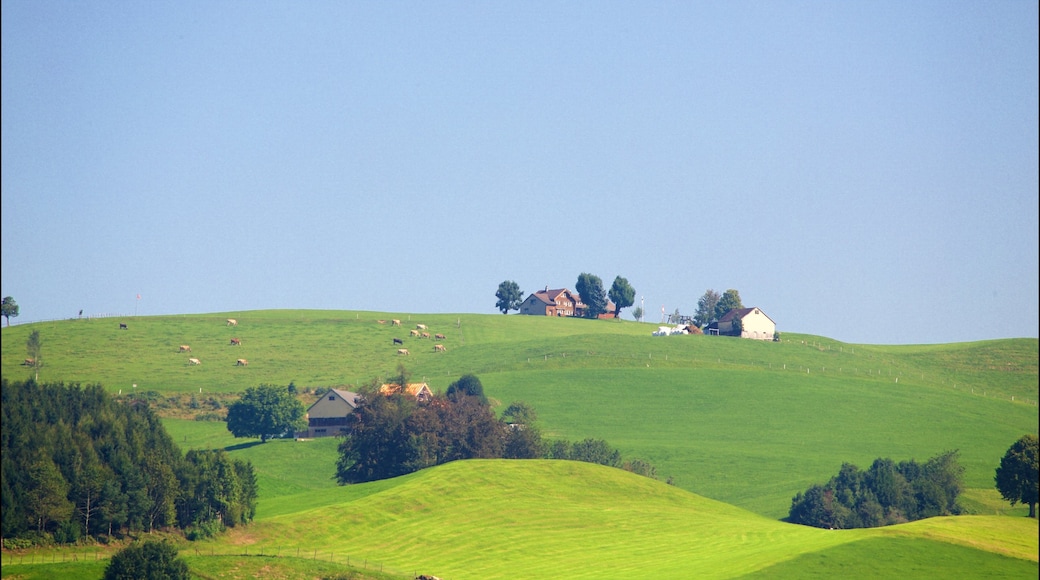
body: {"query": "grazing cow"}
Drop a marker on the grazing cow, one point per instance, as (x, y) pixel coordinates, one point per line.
(424, 335)
(232, 322)
(381, 321)
(241, 362)
(122, 326)
(398, 341)
(420, 326)
(438, 348)
(413, 333)
(439, 336)
(29, 362)
(194, 361)
(395, 322)
(185, 348)
(403, 351)
(236, 342)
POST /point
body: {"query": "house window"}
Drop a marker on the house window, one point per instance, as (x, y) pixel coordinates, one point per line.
(332, 397)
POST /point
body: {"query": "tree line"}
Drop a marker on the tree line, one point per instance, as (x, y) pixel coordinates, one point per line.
(77, 462)
(392, 435)
(886, 493)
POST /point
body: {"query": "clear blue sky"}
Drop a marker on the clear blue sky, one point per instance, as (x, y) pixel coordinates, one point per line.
(865, 171)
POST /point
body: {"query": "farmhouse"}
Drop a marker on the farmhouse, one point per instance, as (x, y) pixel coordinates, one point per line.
(328, 415)
(558, 302)
(745, 323)
(421, 391)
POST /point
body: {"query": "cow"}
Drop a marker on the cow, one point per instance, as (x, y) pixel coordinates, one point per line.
(438, 348)
(403, 351)
(381, 321)
(424, 335)
(194, 361)
(184, 348)
(420, 326)
(122, 326)
(232, 322)
(395, 322)
(29, 362)
(413, 333)
(398, 341)
(439, 336)
(241, 362)
(236, 342)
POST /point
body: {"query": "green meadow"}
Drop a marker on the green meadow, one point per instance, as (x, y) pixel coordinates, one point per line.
(738, 426)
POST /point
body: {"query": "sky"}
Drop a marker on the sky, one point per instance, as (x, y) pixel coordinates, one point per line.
(864, 170)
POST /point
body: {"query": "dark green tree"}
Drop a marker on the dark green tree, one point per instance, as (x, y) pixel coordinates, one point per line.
(595, 451)
(622, 294)
(706, 308)
(1018, 476)
(148, 561)
(34, 346)
(265, 411)
(509, 295)
(590, 289)
(9, 309)
(730, 300)
(468, 385)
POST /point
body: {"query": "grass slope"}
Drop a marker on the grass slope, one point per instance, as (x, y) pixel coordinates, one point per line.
(749, 423)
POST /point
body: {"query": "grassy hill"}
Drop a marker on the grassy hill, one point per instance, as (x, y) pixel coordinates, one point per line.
(745, 423)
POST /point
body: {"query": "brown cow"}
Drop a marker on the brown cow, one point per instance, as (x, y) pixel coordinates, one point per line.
(413, 333)
(424, 335)
(381, 321)
(439, 336)
(403, 351)
(236, 342)
(29, 362)
(184, 348)
(232, 322)
(438, 348)
(194, 361)
(241, 362)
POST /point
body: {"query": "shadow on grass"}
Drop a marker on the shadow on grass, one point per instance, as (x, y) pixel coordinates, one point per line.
(243, 446)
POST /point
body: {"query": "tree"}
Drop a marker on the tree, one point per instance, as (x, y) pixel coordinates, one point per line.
(638, 313)
(151, 560)
(590, 289)
(34, 346)
(467, 384)
(706, 307)
(9, 309)
(622, 294)
(1018, 474)
(510, 296)
(265, 411)
(730, 300)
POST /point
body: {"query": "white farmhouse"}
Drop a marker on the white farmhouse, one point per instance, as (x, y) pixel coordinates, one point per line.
(747, 323)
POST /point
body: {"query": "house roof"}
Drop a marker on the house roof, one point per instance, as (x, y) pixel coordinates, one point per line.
(549, 296)
(350, 397)
(741, 313)
(413, 389)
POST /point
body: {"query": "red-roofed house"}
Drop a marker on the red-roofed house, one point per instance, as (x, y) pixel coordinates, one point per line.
(558, 302)
(753, 323)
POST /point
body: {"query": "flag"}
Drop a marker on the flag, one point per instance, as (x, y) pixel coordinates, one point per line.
(138, 296)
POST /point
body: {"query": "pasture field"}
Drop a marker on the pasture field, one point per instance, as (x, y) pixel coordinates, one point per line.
(745, 423)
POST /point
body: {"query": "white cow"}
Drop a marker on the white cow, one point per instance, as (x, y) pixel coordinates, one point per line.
(194, 361)
(232, 322)
(403, 351)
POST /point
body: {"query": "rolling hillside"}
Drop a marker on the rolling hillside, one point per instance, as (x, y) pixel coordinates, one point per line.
(744, 423)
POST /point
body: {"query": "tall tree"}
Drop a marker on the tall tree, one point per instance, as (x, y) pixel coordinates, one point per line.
(706, 307)
(510, 296)
(265, 411)
(622, 294)
(590, 288)
(730, 300)
(1018, 476)
(34, 346)
(9, 309)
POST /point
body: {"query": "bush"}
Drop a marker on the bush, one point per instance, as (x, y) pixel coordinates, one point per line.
(149, 560)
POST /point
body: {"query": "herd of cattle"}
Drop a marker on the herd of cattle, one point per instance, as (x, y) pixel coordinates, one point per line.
(420, 331)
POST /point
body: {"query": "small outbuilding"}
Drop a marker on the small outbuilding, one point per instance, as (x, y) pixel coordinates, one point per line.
(746, 323)
(328, 415)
